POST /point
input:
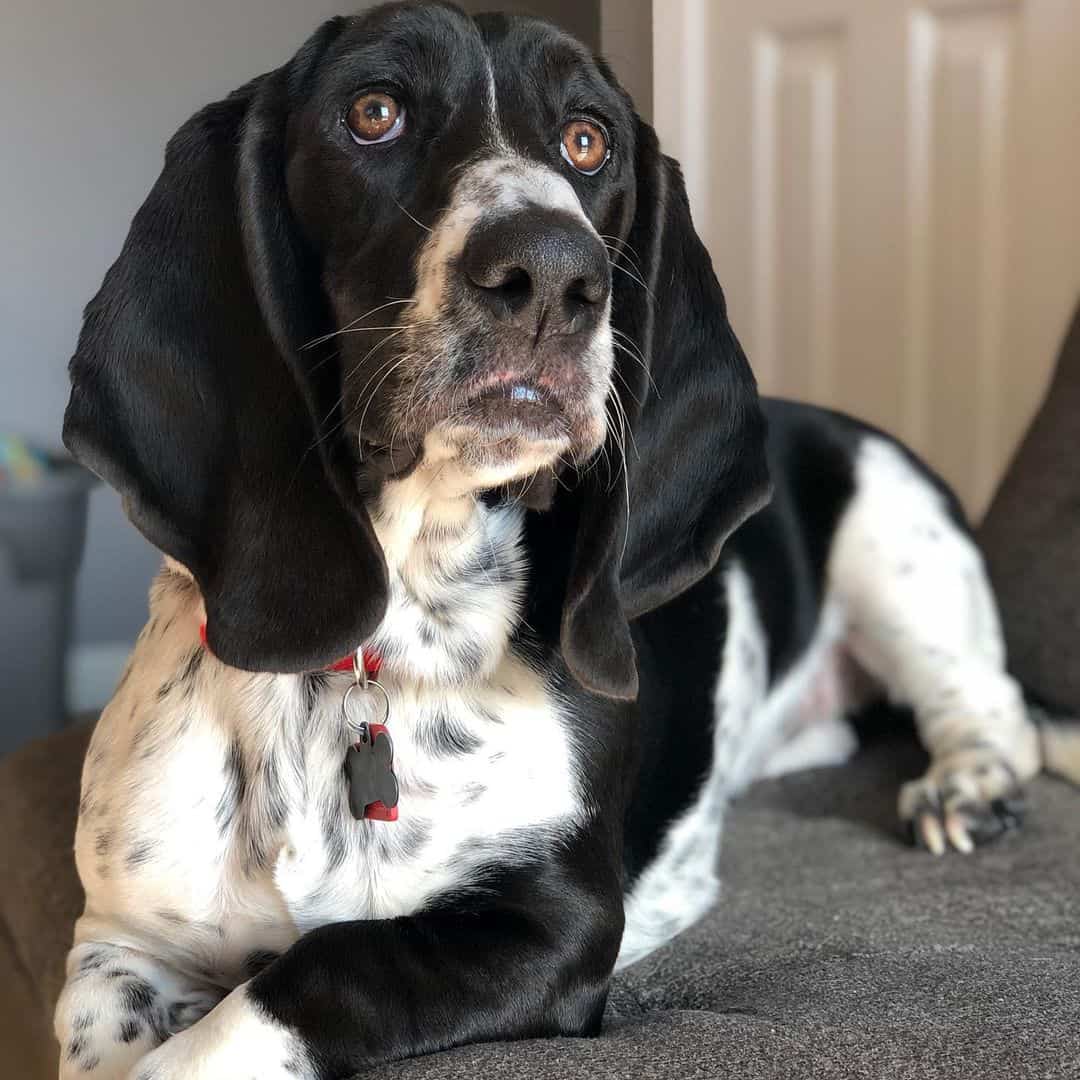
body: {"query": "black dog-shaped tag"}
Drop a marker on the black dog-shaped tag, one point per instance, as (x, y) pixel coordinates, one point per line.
(369, 767)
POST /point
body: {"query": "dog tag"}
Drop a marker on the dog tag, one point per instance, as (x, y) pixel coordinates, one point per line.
(369, 767)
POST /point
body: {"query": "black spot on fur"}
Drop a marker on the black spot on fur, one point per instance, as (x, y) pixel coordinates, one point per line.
(93, 961)
(441, 735)
(141, 852)
(191, 668)
(277, 805)
(174, 917)
(235, 785)
(469, 654)
(427, 634)
(440, 612)
(142, 734)
(312, 687)
(412, 838)
(334, 819)
(76, 1048)
(258, 960)
(184, 678)
(129, 1031)
(83, 1021)
(101, 844)
(138, 997)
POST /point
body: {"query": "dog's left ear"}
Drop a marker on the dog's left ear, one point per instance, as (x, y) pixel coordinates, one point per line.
(195, 395)
(695, 449)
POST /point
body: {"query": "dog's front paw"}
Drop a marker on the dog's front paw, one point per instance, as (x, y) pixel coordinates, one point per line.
(236, 1039)
(966, 798)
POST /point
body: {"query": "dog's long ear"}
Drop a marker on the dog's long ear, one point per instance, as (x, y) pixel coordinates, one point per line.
(190, 394)
(695, 444)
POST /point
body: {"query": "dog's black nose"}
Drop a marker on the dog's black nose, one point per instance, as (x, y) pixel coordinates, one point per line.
(541, 271)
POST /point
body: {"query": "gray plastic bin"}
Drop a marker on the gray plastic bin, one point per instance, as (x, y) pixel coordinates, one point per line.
(42, 530)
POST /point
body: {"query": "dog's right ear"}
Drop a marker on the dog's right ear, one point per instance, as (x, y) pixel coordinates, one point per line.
(192, 395)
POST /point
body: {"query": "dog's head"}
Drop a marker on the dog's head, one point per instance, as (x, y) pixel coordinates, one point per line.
(425, 234)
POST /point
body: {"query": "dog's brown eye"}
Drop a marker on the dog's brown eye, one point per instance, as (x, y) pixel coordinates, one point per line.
(375, 117)
(585, 146)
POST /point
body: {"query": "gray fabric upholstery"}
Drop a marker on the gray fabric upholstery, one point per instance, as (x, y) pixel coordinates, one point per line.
(1031, 537)
(837, 951)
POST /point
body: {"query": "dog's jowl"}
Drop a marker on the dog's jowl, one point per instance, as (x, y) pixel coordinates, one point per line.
(416, 372)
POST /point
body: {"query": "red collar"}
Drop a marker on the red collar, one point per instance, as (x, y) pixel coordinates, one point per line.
(372, 660)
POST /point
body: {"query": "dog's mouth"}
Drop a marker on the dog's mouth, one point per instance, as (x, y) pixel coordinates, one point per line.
(504, 419)
(514, 408)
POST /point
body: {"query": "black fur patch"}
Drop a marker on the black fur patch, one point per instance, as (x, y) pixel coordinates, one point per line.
(236, 782)
(442, 736)
(83, 1021)
(412, 835)
(138, 997)
(141, 852)
(93, 961)
(140, 1000)
(130, 1030)
(334, 817)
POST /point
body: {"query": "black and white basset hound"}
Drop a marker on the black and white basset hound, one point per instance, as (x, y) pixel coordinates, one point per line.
(412, 356)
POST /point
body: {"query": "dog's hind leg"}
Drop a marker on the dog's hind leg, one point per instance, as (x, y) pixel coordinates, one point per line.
(117, 1005)
(922, 621)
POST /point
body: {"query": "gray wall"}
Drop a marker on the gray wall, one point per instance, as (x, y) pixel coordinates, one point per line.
(91, 91)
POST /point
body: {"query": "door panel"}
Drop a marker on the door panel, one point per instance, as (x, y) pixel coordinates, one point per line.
(891, 194)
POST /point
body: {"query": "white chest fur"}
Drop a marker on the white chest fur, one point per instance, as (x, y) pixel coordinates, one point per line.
(215, 824)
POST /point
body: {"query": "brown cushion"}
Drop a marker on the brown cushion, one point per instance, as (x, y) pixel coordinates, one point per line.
(40, 895)
(1031, 537)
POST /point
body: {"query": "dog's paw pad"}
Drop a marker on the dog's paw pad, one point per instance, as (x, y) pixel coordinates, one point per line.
(965, 799)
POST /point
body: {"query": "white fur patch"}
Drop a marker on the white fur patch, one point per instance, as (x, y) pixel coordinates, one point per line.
(237, 1039)
(922, 616)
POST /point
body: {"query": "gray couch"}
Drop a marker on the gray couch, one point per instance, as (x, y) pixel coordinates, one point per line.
(836, 951)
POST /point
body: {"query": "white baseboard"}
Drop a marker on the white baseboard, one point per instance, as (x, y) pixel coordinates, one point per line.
(93, 672)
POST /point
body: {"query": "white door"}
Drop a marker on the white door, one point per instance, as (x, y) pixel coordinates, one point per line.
(891, 194)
